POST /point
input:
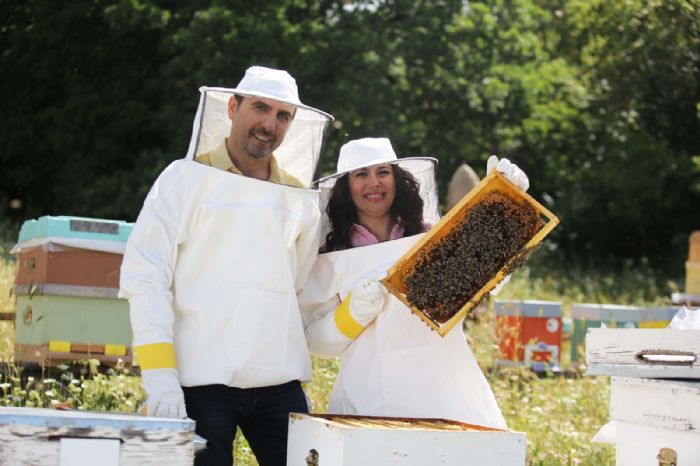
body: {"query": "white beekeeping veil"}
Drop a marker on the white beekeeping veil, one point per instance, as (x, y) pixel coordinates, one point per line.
(301, 149)
(366, 152)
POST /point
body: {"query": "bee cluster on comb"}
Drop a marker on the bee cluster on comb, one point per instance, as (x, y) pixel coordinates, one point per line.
(490, 236)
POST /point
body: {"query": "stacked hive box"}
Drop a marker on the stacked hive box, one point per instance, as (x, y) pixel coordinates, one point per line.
(332, 440)
(691, 296)
(587, 316)
(50, 437)
(66, 287)
(529, 333)
(655, 393)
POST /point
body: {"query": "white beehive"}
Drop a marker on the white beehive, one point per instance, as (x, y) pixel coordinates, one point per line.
(49, 437)
(654, 394)
(655, 414)
(333, 440)
(643, 352)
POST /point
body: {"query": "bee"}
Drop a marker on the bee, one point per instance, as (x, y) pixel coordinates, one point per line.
(450, 271)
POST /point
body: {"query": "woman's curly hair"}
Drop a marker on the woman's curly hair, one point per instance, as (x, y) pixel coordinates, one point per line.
(407, 208)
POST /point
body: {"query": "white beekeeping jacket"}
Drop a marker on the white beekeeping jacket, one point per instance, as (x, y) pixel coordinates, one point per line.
(215, 261)
(397, 366)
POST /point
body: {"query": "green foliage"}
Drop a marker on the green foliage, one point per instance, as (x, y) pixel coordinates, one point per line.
(81, 386)
(597, 100)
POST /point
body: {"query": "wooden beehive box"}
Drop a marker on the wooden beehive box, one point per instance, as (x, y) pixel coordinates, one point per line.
(334, 440)
(652, 418)
(80, 228)
(49, 437)
(591, 315)
(493, 190)
(529, 333)
(643, 352)
(59, 323)
(68, 266)
(66, 290)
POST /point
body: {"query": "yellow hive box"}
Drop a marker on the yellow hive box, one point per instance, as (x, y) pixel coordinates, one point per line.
(692, 278)
(694, 247)
(492, 185)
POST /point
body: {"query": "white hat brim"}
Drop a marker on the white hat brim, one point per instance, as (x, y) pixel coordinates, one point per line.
(264, 95)
(330, 179)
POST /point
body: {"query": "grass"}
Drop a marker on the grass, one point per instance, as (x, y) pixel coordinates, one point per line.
(559, 415)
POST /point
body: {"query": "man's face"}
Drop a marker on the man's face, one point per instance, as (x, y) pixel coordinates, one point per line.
(258, 125)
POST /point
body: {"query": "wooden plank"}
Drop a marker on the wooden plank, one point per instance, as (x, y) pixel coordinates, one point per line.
(8, 315)
(29, 436)
(66, 290)
(399, 441)
(656, 353)
(87, 348)
(669, 404)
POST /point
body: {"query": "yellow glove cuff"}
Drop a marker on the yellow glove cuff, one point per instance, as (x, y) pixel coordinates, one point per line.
(156, 356)
(347, 325)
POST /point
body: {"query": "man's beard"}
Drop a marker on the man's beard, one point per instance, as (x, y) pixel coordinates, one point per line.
(260, 150)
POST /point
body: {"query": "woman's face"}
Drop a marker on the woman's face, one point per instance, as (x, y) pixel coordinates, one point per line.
(372, 190)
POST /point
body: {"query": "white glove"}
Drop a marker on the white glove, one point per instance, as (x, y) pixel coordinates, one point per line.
(165, 396)
(366, 301)
(510, 170)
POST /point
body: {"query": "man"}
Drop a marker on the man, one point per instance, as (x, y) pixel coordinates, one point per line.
(223, 244)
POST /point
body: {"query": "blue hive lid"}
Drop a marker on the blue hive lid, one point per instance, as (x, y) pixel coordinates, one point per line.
(75, 227)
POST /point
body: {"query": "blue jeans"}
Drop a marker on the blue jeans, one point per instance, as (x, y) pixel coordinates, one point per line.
(261, 413)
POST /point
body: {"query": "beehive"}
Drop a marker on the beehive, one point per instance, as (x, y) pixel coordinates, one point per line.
(691, 296)
(60, 323)
(653, 415)
(334, 440)
(644, 352)
(654, 393)
(66, 288)
(50, 437)
(529, 333)
(592, 315)
(445, 258)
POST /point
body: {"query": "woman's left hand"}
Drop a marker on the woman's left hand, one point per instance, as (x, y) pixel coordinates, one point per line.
(510, 170)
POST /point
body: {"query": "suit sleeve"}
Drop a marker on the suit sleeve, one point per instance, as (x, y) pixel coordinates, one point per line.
(147, 269)
(329, 325)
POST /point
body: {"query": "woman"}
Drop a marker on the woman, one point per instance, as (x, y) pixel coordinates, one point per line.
(392, 364)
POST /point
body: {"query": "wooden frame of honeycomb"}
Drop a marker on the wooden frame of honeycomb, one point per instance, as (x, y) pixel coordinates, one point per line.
(492, 186)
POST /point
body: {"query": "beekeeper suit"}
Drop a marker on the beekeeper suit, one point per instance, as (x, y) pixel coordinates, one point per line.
(220, 250)
(394, 364)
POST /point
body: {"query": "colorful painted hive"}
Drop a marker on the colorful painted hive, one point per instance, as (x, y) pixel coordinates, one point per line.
(691, 295)
(587, 316)
(529, 333)
(52, 327)
(334, 440)
(66, 287)
(80, 228)
(49, 263)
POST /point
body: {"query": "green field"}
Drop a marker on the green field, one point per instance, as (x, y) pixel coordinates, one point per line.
(559, 414)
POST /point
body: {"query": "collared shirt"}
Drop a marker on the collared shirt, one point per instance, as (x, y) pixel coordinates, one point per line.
(361, 236)
(219, 158)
